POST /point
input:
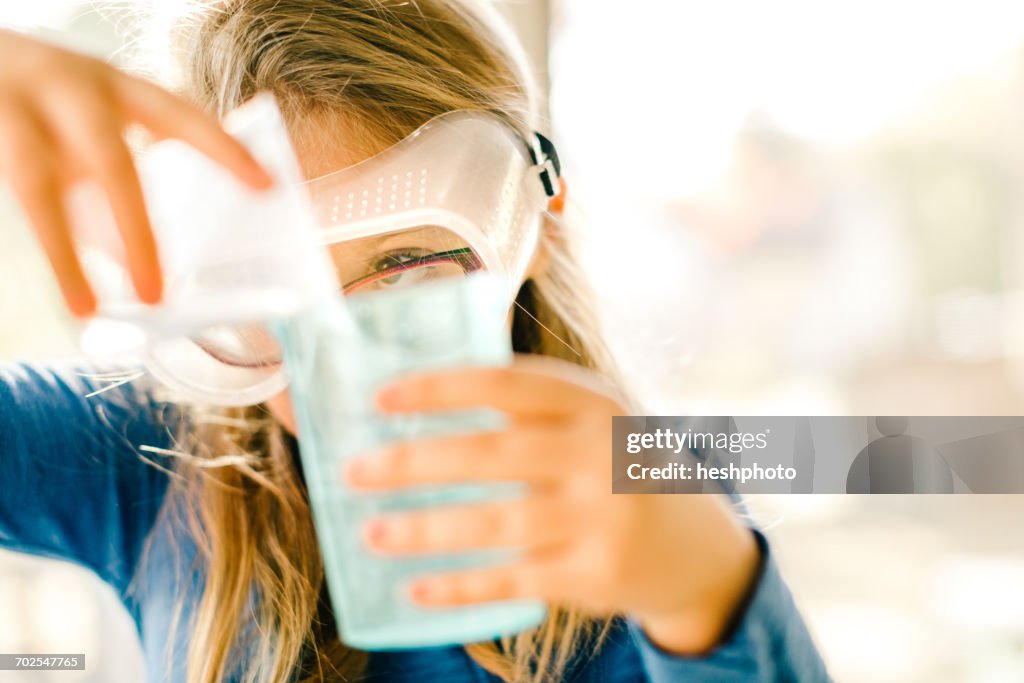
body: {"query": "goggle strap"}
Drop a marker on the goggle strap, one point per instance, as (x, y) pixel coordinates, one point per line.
(544, 154)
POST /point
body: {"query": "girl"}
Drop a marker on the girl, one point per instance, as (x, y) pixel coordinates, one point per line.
(216, 558)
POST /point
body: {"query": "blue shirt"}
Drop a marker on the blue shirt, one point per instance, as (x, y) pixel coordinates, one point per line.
(76, 486)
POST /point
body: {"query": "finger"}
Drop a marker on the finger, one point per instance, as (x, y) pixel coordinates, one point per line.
(30, 163)
(94, 135)
(528, 389)
(531, 577)
(167, 115)
(534, 454)
(532, 521)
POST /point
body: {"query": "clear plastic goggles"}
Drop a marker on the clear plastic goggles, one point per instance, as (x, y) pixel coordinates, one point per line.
(462, 193)
(371, 264)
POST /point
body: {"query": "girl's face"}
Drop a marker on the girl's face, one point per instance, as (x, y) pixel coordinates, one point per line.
(396, 260)
(377, 263)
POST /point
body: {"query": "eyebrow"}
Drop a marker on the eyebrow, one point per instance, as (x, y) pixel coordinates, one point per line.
(421, 238)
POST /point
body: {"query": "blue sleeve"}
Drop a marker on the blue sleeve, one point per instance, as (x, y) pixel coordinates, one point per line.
(769, 641)
(73, 483)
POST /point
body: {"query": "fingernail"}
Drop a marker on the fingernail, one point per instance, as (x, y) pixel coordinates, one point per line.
(82, 305)
(149, 287)
(152, 293)
(421, 591)
(356, 470)
(263, 179)
(389, 397)
(376, 531)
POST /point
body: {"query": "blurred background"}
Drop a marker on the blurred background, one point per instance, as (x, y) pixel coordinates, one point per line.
(786, 207)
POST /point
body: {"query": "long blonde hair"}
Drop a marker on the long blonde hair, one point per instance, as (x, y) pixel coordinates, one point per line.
(389, 67)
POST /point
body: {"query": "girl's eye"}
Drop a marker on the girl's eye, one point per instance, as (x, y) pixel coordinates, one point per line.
(399, 263)
(399, 269)
(408, 267)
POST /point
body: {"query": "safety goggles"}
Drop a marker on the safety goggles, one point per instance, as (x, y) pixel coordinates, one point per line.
(426, 257)
(464, 192)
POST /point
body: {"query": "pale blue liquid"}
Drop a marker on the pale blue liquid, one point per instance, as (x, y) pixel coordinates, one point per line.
(337, 355)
